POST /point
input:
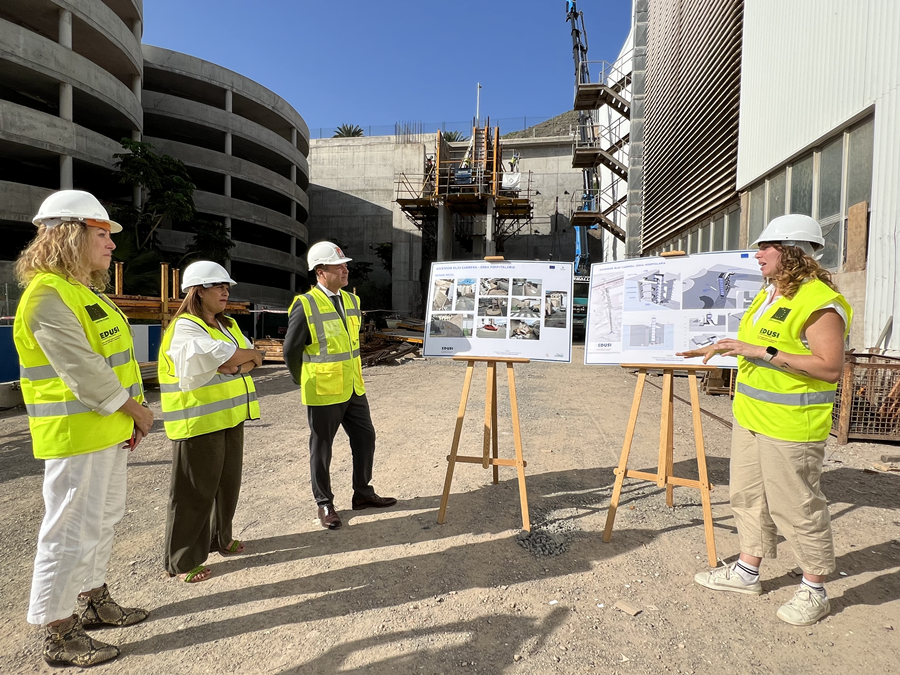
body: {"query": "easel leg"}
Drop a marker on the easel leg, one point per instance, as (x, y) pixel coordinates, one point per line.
(670, 446)
(701, 469)
(665, 423)
(494, 432)
(623, 459)
(490, 398)
(517, 437)
(454, 448)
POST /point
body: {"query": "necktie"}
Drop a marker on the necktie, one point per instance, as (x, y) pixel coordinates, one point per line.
(339, 306)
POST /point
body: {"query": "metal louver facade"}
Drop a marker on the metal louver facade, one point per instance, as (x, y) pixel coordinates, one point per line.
(692, 104)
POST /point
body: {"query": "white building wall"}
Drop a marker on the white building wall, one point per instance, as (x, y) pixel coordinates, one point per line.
(809, 67)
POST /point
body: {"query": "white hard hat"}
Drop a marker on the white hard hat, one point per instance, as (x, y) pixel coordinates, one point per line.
(205, 273)
(325, 253)
(68, 206)
(793, 230)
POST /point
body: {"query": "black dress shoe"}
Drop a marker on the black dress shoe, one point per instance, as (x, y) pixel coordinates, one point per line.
(329, 517)
(359, 503)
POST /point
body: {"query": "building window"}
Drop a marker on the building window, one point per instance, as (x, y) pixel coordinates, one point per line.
(802, 186)
(823, 184)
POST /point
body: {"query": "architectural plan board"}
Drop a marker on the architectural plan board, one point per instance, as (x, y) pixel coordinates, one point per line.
(500, 309)
(644, 310)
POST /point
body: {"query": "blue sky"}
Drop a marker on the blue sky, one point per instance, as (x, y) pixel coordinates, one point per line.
(377, 63)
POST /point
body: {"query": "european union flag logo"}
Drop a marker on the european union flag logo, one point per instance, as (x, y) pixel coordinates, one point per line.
(745, 255)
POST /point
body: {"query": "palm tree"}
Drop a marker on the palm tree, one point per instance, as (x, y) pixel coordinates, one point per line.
(348, 131)
(453, 136)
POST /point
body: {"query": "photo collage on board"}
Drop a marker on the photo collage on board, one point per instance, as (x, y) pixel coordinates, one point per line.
(495, 308)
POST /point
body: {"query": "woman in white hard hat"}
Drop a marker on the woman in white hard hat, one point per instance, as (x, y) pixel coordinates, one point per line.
(206, 395)
(790, 351)
(82, 388)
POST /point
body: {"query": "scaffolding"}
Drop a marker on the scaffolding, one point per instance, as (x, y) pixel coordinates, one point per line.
(469, 180)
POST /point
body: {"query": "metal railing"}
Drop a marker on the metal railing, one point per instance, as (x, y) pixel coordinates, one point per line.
(407, 129)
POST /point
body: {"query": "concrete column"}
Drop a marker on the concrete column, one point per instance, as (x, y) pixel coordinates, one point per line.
(228, 142)
(137, 86)
(294, 174)
(228, 186)
(65, 89)
(490, 246)
(294, 136)
(293, 254)
(65, 28)
(228, 100)
(293, 209)
(137, 29)
(444, 234)
(635, 204)
(65, 172)
(228, 230)
(65, 101)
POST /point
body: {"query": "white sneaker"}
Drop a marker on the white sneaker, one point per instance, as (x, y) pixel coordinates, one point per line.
(726, 579)
(805, 608)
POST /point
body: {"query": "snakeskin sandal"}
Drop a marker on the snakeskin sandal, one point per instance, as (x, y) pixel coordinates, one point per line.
(68, 644)
(99, 609)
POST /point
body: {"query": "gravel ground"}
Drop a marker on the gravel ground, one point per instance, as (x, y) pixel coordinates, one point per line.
(393, 592)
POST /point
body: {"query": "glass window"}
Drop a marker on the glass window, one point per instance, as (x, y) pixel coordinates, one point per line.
(718, 234)
(703, 237)
(733, 230)
(692, 242)
(757, 212)
(859, 164)
(831, 255)
(776, 196)
(802, 186)
(830, 166)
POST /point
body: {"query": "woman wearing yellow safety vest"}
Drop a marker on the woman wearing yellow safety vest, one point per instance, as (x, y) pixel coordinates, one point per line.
(206, 394)
(790, 351)
(82, 389)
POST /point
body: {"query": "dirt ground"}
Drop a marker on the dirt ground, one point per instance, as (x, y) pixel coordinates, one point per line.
(393, 592)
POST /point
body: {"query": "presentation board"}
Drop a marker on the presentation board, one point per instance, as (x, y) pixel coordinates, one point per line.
(509, 308)
(644, 310)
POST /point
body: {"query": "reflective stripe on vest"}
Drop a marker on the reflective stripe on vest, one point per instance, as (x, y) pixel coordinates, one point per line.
(74, 407)
(774, 402)
(331, 368)
(806, 398)
(61, 425)
(222, 403)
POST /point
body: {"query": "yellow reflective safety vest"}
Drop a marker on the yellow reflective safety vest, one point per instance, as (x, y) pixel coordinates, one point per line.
(769, 400)
(332, 369)
(222, 403)
(61, 425)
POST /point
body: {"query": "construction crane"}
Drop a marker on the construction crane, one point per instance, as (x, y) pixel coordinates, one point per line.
(586, 132)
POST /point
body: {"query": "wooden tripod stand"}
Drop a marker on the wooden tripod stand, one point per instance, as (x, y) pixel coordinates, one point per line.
(663, 476)
(489, 455)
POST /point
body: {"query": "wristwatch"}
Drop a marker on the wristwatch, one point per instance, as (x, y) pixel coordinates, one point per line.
(771, 353)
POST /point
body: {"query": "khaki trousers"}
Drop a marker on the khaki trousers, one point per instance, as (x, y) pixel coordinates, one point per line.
(206, 484)
(775, 489)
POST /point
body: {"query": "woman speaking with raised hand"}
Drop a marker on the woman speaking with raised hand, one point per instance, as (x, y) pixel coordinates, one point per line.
(790, 350)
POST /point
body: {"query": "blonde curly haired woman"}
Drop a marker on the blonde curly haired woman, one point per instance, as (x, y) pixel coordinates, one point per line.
(790, 350)
(83, 392)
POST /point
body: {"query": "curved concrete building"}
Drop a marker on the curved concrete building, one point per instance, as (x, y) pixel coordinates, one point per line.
(70, 89)
(246, 150)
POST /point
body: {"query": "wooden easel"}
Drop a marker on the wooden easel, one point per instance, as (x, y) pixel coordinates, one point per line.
(663, 476)
(489, 455)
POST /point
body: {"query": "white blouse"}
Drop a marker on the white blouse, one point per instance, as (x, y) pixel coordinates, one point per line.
(196, 354)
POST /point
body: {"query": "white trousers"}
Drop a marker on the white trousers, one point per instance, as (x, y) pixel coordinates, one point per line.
(84, 498)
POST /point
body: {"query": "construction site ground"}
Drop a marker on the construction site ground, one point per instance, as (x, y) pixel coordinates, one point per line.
(394, 592)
